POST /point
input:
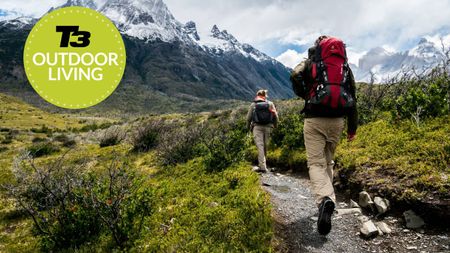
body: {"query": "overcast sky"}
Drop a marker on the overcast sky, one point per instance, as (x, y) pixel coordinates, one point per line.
(288, 27)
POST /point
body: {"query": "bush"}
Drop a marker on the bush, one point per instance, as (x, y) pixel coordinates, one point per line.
(289, 132)
(148, 135)
(180, 143)
(65, 141)
(8, 139)
(112, 137)
(94, 126)
(425, 99)
(38, 139)
(70, 208)
(10, 136)
(226, 144)
(42, 149)
(43, 130)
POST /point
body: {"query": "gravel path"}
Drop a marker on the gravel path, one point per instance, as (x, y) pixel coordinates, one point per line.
(295, 217)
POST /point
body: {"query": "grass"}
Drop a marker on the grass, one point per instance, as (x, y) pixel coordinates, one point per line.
(225, 211)
(16, 114)
(196, 210)
(208, 212)
(400, 159)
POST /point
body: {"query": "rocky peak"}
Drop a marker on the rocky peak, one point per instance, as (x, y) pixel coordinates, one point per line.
(144, 19)
(223, 35)
(191, 29)
(84, 3)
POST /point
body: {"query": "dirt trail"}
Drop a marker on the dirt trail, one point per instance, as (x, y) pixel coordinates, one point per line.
(295, 217)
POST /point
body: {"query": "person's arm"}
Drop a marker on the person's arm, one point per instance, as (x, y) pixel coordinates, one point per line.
(275, 114)
(352, 116)
(298, 76)
(249, 117)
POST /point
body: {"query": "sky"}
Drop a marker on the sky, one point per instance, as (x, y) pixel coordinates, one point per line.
(284, 29)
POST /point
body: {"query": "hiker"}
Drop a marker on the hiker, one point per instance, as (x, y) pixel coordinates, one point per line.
(326, 83)
(261, 118)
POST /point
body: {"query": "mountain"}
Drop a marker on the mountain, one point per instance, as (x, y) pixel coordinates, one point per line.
(164, 58)
(385, 63)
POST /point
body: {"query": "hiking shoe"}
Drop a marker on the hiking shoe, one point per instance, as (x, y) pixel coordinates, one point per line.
(260, 170)
(326, 209)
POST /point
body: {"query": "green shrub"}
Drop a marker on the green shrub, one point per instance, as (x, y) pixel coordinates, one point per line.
(226, 143)
(38, 139)
(112, 137)
(42, 149)
(425, 100)
(92, 127)
(61, 138)
(43, 130)
(180, 144)
(65, 141)
(70, 207)
(8, 139)
(148, 135)
(289, 132)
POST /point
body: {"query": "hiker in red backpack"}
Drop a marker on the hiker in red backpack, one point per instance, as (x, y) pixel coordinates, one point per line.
(262, 117)
(326, 83)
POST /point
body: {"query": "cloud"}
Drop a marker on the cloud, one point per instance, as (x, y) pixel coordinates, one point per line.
(291, 58)
(34, 8)
(361, 24)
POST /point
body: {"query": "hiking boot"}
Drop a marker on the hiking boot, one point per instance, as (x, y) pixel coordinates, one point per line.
(259, 170)
(326, 209)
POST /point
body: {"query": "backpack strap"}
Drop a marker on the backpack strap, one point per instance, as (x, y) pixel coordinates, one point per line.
(321, 76)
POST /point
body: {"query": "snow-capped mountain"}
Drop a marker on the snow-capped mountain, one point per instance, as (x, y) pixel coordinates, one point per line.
(385, 63)
(144, 19)
(166, 56)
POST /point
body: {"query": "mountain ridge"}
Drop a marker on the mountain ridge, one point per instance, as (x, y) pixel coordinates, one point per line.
(165, 56)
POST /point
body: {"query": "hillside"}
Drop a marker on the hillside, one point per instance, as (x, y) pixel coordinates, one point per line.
(194, 172)
(168, 63)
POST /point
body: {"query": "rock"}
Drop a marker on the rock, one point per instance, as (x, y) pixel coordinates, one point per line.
(383, 227)
(369, 229)
(363, 218)
(213, 204)
(379, 231)
(364, 199)
(353, 204)
(411, 248)
(381, 204)
(314, 218)
(343, 205)
(412, 220)
(345, 211)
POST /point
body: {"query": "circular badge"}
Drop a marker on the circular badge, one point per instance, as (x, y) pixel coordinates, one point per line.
(74, 57)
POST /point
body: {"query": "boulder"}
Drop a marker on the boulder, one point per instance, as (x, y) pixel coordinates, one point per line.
(353, 204)
(364, 199)
(381, 204)
(383, 227)
(345, 211)
(369, 229)
(413, 220)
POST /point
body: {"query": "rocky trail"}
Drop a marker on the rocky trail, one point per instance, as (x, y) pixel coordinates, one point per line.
(295, 216)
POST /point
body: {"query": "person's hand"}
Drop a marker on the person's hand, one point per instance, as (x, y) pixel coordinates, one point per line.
(351, 137)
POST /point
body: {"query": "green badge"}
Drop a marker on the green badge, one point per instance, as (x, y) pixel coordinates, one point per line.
(74, 57)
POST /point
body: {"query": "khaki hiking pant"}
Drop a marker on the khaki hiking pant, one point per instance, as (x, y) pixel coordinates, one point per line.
(261, 135)
(321, 138)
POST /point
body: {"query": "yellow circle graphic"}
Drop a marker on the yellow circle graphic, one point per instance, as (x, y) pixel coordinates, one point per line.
(74, 57)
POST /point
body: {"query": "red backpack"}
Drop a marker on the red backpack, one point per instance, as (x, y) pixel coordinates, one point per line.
(330, 92)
